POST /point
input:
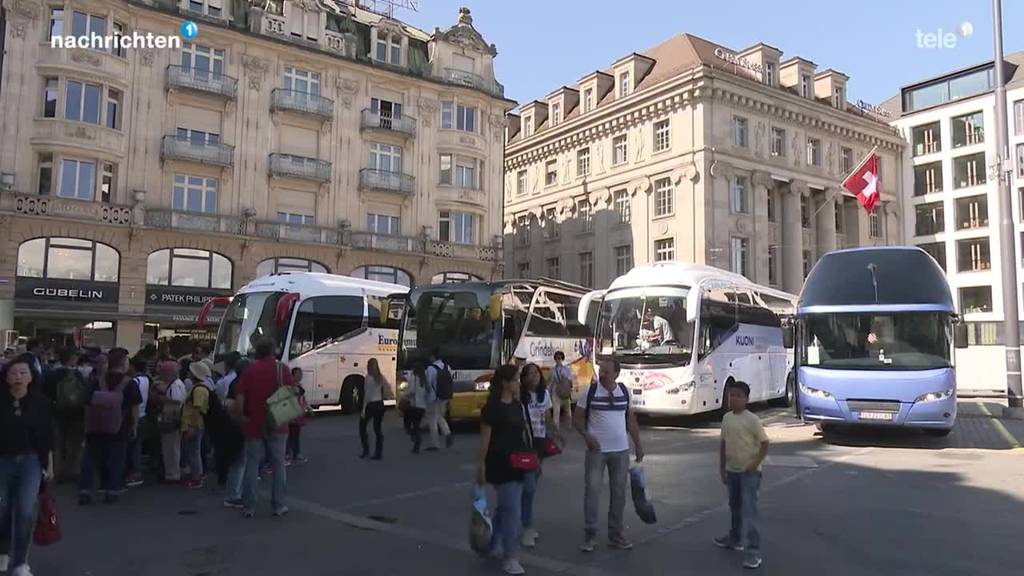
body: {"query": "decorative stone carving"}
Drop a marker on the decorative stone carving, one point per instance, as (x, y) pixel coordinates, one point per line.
(427, 108)
(799, 187)
(639, 186)
(762, 179)
(722, 169)
(759, 136)
(87, 57)
(463, 34)
(346, 101)
(795, 145)
(23, 14)
(830, 157)
(348, 85)
(146, 57)
(255, 69)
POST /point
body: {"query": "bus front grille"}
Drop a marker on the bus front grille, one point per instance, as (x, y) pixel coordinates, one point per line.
(873, 406)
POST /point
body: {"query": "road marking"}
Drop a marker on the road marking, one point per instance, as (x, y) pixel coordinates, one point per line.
(1000, 428)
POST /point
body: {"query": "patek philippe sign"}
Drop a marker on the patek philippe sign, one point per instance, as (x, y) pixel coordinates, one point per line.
(181, 305)
(60, 290)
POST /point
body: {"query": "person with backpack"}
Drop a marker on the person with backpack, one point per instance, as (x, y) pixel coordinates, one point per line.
(140, 378)
(172, 398)
(440, 385)
(111, 420)
(414, 404)
(65, 385)
(193, 420)
(562, 383)
(606, 422)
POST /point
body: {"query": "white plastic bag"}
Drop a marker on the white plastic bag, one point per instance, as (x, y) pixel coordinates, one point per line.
(480, 525)
(641, 500)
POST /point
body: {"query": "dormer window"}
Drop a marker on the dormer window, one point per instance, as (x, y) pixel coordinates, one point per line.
(588, 100)
(212, 8)
(556, 113)
(302, 23)
(806, 85)
(838, 97)
(389, 48)
(769, 73)
(527, 126)
(624, 85)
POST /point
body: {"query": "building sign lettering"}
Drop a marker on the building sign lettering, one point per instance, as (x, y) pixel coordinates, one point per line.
(59, 290)
(752, 67)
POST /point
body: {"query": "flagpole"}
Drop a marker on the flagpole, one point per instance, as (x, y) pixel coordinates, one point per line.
(843, 179)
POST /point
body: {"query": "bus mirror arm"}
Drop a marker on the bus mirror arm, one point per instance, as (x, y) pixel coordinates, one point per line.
(787, 335)
(959, 335)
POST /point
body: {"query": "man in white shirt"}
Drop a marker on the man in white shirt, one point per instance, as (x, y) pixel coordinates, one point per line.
(223, 386)
(438, 407)
(138, 374)
(606, 422)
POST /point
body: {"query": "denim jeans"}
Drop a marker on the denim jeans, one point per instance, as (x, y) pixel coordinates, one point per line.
(236, 473)
(170, 448)
(254, 451)
(530, 481)
(133, 466)
(19, 489)
(294, 447)
(194, 453)
(617, 464)
(743, 487)
(105, 454)
(507, 514)
(69, 434)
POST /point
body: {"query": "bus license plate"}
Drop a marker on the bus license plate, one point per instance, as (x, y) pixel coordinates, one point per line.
(886, 416)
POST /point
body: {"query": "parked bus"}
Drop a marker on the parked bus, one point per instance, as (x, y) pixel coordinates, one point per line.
(479, 326)
(328, 325)
(875, 338)
(682, 332)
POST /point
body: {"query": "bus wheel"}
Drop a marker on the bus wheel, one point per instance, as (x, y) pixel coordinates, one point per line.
(350, 395)
(789, 396)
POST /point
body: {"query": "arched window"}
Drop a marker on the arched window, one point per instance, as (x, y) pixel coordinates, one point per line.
(277, 265)
(189, 268)
(384, 274)
(452, 277)
(69, 259)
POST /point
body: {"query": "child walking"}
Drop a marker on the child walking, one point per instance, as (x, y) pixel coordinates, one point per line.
(743, 449)
(293, 448)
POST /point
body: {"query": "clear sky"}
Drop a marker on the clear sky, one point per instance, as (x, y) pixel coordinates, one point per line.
(544, 44)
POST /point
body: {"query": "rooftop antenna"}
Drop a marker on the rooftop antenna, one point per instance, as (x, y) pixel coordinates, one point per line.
(387, 7)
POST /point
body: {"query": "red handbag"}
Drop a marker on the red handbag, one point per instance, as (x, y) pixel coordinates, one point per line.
(551, 448)
(47, 529)
(525, 461)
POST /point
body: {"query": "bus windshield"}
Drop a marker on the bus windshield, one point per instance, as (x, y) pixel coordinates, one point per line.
(457, 322)
(877, 341)
(640, 326)
(248, 317)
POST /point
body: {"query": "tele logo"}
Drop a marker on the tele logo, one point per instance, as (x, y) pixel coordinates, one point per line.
(944, 39)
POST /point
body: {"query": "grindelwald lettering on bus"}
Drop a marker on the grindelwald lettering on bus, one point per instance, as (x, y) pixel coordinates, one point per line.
(540, 349)
(122, 41)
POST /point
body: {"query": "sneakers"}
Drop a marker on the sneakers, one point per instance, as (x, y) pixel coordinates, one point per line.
(23, 570)
(235, 503)
(195, 484)
(752, 560)
(512, 566)
(620, 543)
(433, 449)
(588, 545)
(248, 514)
(134, 482)
(282, 511)
(300, 459)
(728, 543)
(529, 538)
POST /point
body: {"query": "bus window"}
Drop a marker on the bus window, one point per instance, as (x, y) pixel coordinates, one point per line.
(323, 319)
(380, 314)
(554, 315)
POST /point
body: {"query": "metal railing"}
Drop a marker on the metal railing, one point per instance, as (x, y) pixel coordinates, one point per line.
(458, 77)
(377, 121)
(174, 148)
(57, 207)
(304, 102)
(201, 80)
(298, 232)
(176, 220)
(300, 167)
(371, 241)
(372, 179)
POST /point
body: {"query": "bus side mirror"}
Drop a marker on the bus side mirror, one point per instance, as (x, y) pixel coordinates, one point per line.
(960, 336)
(787, 336)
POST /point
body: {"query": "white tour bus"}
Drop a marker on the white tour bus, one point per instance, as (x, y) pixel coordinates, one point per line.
(682, 331)
(328, 325)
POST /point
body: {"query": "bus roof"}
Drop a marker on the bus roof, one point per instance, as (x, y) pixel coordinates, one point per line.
(687, 274)
(875, 279)
(490, 286)
(320, 284)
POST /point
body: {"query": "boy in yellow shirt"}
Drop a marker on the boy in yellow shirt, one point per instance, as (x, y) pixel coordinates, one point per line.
(743, 449)
(193, 416)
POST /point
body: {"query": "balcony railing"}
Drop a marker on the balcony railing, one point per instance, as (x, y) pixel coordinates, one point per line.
(298, 233)
(377, 121)
(57, 207)
(458, 77)
(300, 167)
(464, 251)
(202, 81)
(174, 148)
(302, 102)
(371, 241)
(382, 180)
(175, 220)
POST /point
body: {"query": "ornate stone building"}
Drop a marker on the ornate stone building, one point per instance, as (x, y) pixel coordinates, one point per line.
(310, 134)
(692, 151)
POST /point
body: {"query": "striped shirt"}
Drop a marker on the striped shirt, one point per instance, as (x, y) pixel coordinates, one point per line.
(607, 420)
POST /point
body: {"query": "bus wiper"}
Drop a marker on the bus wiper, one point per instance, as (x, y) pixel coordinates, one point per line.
(873, 268)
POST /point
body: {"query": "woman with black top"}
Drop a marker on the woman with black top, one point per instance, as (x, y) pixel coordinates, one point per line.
(26, 458)
(504, 432)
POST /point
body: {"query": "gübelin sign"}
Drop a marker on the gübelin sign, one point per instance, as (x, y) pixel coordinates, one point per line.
(65, 291)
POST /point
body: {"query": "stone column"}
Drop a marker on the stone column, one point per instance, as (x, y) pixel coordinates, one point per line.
(6, 316)
(761, 185)
(826, 224)
(792, 237)
(129, 334)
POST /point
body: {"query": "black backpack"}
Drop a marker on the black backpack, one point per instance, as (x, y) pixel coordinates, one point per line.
(445, 383)
(215, 412)
(592, 391)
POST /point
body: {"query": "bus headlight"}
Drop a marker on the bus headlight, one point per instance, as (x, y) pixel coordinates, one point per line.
(815, 393)
(935, 396)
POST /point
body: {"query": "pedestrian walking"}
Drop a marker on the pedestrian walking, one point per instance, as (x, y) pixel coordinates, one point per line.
(230, 375)
(26, 460)
(173, 397)
(440, 386)
(259, 381)
(504, 437)
(139, 376)
(65, 385)
(375, 386)
(234, 440)
(606, 422)
(561, 393)
(536, 397)
(743, 448)
(193, 420)
(415, 405)
(111, 420)
(293, 450)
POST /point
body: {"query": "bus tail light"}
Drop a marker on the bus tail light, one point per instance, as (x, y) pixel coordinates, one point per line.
(284, 308)
(204, 312)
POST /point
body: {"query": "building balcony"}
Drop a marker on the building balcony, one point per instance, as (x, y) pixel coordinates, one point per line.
(57, 207)
(302, 102)
(166, 219)
(401, 125)
(385, 243)
(288, 166)
(298, 233)
(202, 81)
(464, 251)
(384, 181)
(457, 77)
(174, 148)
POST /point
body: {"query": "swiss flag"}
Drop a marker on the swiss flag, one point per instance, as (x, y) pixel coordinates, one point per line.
(863, 183)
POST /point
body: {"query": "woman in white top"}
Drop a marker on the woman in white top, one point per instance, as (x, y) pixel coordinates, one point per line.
(536, 399)
(374, 388)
